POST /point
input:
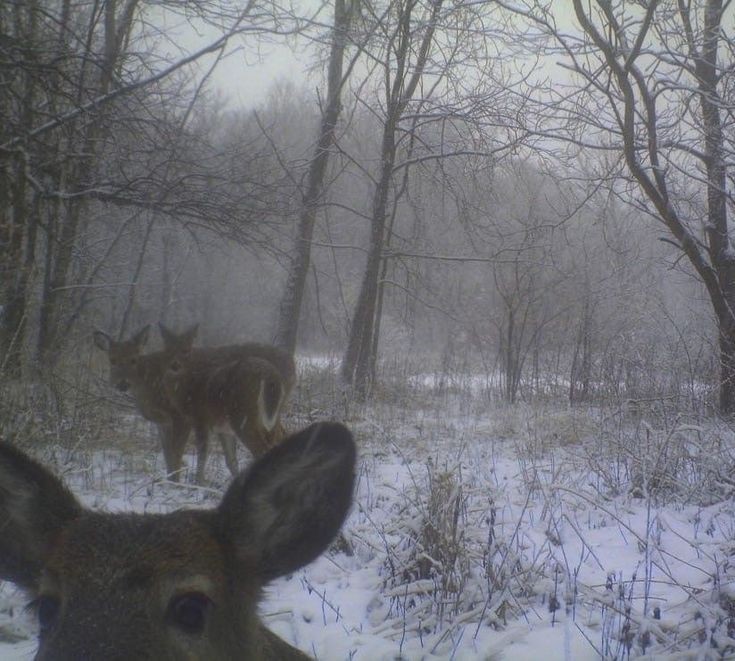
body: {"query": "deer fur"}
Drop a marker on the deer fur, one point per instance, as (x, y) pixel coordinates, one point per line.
(244, 386)
(183, 585)
(142, 376)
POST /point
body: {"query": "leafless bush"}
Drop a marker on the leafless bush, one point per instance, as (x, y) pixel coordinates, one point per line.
(680, 462)
(430, 568)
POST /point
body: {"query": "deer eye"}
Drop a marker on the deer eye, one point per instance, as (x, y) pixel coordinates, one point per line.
(189, 611)
(47, 611)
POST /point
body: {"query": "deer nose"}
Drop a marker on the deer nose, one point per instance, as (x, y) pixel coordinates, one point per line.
(122, 386)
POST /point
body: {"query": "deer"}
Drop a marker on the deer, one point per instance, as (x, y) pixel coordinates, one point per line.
(143, 376)
(281, 359)
(244, 386)
(182, 585)
(244, 393)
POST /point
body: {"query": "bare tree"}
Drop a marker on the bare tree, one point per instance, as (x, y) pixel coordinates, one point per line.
(408, 44)
(290, 308)
(651, 92)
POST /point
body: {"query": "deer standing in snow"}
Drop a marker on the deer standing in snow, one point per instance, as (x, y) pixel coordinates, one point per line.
(142, 376)
(243, 386)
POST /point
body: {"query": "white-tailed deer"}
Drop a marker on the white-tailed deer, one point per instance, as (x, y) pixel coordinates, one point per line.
(279, 358)
(183, 585)
(244, 386)
(246, 394)
(142, 375)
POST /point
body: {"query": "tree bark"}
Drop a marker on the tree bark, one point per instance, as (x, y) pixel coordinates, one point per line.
(293, 295)
(721, 247)
(358, 363)
(19, 213)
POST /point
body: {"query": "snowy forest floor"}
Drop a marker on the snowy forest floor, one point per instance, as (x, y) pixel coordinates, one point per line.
(479, 530)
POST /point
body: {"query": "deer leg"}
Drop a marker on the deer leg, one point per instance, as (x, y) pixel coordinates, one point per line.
(167, 435)
(260, 442)
(270, 438)
(278, 433)
(229, 449)
(201, 438)
(181, 431)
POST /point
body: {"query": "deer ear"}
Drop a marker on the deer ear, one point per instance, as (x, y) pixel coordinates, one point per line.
(101, 340)
(178, 341)
(34, 507)
(287, 507)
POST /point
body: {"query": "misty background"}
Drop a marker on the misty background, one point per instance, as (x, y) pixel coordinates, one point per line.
(495, 235)
(478, 211)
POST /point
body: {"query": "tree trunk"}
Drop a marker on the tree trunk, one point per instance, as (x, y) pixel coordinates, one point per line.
(510, 358)
(293, 295)
(60, 254)
(727, 368)
(356, 363)
(17, 238)
(580, 372)
(359, 360)
(18, 214)
(717, 226)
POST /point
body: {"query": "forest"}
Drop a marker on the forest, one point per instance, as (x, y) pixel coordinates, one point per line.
(494, 236)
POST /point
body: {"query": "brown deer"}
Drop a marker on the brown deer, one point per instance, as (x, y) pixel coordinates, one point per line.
(244, 386)
(183, 585)
(281, 359)
(245, 393)
(143, 375)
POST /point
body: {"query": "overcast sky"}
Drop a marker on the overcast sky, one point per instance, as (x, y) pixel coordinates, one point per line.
(250, 68)
(246, 78)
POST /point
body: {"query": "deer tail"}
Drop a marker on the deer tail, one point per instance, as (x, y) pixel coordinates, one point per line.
(270, 400)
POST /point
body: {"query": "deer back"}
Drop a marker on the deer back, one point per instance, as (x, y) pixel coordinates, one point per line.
(279, 358)
(212, 390)
(282, 360)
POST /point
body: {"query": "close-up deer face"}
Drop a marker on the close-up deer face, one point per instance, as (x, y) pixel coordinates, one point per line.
(183, 585)
(142, 587)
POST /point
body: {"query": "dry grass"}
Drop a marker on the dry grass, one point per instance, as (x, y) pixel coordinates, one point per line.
(473, 514)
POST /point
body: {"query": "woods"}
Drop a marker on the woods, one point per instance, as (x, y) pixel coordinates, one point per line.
(450, 145)
(491, 238)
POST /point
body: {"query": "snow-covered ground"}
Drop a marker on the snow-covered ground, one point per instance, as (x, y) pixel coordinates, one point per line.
(490, 534)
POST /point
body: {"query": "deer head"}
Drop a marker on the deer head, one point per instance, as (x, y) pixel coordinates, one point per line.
(183, 585)
(125, 355)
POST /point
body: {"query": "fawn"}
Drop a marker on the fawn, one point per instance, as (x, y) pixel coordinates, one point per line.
(242, 385)
(183, 585)
(143, 376)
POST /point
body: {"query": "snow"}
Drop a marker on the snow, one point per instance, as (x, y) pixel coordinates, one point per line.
(527, 518)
